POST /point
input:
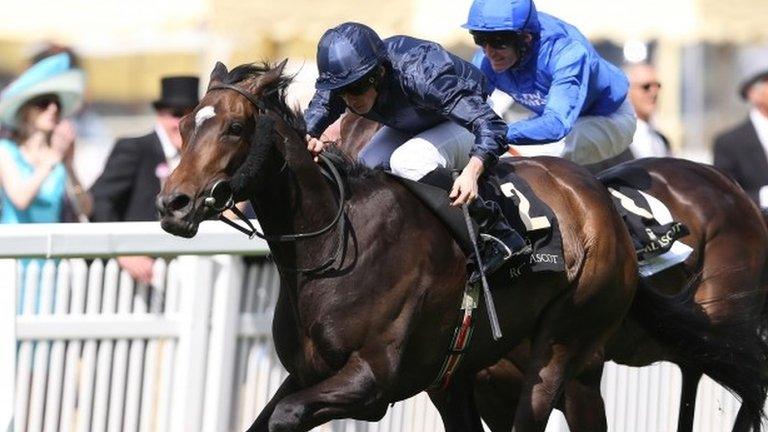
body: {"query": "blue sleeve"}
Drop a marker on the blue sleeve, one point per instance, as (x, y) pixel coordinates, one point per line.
(463, 101)
(323, 109)
(570, 80)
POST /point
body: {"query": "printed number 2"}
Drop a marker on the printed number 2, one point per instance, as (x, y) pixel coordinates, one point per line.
(531, 223)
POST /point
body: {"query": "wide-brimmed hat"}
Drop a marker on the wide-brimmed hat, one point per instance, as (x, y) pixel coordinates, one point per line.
(52, 75)
(178, 92)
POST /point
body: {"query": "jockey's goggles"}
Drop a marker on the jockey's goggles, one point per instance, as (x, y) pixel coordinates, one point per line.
(360, 86)
(495, 40)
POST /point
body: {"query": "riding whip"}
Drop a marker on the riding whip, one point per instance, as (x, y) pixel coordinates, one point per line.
(490, 307)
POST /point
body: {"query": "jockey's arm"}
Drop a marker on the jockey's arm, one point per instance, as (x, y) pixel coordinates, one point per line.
(564, 102)
(323, 110)
(463, 104)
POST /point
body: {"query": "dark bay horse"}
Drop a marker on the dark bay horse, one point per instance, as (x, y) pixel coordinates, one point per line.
(371, 325)
(729, 279)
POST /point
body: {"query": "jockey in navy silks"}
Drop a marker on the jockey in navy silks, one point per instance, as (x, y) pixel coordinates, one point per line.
(433, 108)
(550, 68)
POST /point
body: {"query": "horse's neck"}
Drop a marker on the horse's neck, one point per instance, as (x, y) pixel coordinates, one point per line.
(297, 199)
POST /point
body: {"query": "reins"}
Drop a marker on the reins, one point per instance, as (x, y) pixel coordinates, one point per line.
(221, 198)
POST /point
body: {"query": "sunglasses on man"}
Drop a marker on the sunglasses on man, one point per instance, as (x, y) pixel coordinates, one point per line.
(646, 87)
(495, 40)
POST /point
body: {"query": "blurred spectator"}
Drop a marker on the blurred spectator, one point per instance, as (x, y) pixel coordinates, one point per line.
(137, 167)
(36, 161)
(93, 136)
(644, 87)
(742, 152)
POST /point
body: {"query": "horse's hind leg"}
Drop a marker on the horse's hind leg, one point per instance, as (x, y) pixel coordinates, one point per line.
(690, 386)
(351, 393)
(543, 384)
(457, 406)
(569, 345)
(584, 408)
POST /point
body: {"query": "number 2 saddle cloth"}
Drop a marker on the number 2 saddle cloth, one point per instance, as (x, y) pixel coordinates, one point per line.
(528, 214)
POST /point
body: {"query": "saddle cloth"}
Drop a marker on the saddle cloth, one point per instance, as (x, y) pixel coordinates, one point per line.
(649, 222)
(531, 217)
(528, 214)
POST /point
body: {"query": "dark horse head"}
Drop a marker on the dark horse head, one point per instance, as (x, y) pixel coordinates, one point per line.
(226, 141)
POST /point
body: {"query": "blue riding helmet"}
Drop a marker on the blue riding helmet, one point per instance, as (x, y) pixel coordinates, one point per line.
(347, 53)
(503, 15)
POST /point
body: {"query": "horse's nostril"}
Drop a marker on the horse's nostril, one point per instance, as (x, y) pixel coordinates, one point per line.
(177, 202)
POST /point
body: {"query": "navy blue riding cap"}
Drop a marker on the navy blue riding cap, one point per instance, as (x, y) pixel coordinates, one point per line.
(346, 53)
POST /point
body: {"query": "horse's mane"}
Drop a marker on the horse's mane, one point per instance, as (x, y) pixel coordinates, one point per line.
(274, 96)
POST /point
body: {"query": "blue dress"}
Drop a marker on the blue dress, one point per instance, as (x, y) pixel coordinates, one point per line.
(47, 205)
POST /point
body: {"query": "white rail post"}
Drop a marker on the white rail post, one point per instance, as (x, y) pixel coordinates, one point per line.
(194, 310)
(225, 320)
(8, 287)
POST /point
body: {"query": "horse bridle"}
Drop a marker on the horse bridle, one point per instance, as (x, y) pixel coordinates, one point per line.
(221, 196)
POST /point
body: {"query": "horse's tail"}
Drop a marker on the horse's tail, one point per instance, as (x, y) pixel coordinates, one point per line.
(732, 357)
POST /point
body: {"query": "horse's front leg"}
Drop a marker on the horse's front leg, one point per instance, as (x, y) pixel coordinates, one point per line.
(289, 385)
(351, 393)
(456, 405)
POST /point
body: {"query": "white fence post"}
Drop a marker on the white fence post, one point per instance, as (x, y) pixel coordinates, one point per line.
(225, 320)
(194, 310)
(8, 287)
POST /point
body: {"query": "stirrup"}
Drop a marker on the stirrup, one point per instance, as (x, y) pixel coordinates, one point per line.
(490, 266)
(504, 247)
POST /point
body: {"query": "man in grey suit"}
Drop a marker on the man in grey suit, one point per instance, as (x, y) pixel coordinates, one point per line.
(742, 152)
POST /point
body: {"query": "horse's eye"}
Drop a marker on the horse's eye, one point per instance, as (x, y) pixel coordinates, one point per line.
(235, 129)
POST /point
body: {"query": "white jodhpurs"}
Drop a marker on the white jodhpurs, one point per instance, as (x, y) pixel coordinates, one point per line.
(594, 139)
(446, 145)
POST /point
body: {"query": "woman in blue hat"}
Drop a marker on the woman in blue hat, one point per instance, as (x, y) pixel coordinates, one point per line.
(547, 66)
(433, 108)
(33, 162)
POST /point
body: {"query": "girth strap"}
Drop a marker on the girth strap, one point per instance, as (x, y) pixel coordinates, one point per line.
(462, 335)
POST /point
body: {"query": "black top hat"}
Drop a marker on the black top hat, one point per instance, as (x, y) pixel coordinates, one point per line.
(754, 79)
(178, 92)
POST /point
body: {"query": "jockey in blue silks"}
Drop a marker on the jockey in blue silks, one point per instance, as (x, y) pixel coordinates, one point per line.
(433, 108)
(550, 68)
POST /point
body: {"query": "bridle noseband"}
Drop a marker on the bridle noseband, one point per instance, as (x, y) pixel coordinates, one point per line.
(221, 197)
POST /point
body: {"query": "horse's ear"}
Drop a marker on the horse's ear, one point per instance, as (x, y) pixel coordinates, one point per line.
(270, 77)
(218, 74)
(280, 67)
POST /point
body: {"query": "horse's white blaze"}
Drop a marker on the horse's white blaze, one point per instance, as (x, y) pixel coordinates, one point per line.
(204, 114)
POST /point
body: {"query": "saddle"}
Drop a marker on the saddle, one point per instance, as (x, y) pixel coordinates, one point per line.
(649, 222)
(523, 209)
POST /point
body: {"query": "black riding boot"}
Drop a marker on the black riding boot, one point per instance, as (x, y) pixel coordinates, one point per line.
(499, 241)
